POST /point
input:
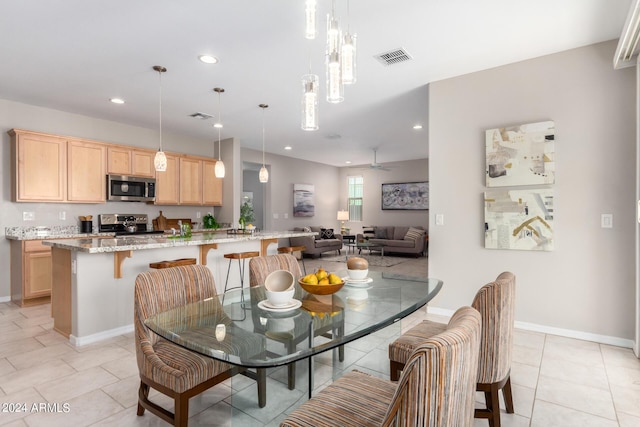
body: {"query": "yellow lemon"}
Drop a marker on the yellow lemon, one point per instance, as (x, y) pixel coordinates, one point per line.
(323, 281)
(321, 273)
(310, 279)
(334, 279)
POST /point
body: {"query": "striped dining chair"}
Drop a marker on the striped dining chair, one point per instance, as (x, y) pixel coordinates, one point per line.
(435, 389)
(496, 304)
(259, 269)
(169, 368)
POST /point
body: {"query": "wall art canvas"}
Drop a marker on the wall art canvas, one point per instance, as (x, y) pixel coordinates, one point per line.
(519, 219)
(521, 155)
(303, 200)
(405, 195)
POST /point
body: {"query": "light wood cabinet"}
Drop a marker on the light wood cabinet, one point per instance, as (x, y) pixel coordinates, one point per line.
(190, 181)
(142, 163)
(167, 183)
(211, 186)
(86, 172)
(39, 167)
(122, 160)
(31, 274)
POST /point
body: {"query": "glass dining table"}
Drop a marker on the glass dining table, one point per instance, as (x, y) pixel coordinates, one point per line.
(241, 328)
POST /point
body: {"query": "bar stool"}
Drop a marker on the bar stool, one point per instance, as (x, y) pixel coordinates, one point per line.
(173, 263)
(291, 250)
(240, 256)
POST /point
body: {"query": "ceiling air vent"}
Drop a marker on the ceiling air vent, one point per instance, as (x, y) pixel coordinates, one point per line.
(393, 57)
(201, 116)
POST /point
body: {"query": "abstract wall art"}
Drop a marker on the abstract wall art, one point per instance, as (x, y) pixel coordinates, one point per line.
(519, 219)
(303, 200)
(520, 155)
(405, 195)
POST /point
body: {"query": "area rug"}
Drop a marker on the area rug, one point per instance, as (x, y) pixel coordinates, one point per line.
(375, 260)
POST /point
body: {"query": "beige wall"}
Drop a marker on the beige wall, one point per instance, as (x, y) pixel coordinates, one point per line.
(586, 285)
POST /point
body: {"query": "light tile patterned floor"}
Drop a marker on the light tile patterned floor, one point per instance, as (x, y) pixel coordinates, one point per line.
(556, 381)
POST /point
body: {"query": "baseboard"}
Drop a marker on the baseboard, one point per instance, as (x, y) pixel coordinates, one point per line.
(90, 339)
(5, 299)
(569, 333)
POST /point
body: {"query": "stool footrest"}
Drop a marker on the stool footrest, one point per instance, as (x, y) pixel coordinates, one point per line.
(173, 263)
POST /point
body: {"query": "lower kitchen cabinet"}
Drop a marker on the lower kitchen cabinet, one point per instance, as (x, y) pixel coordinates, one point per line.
(31, 276)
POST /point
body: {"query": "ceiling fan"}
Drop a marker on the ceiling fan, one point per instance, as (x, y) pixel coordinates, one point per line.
(375, 165)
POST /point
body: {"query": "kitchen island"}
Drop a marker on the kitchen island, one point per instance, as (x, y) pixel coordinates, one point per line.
(93, 278)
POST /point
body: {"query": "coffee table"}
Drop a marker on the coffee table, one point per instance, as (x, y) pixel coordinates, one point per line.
(364, 307)
(365, 245)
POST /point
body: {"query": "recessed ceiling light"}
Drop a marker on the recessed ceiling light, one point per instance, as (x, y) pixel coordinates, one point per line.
(417, 127)
(348, 162)
(288, 147)
(208, 59)
(117, 100)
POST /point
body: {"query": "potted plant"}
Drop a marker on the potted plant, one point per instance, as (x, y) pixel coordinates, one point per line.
(210, 221)
(246, 215)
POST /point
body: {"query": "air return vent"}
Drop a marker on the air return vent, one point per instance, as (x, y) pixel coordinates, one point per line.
(393, 57)
(201, 116)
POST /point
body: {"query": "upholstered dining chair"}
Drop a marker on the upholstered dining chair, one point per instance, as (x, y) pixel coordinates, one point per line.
(436, 387)
(173, 370)
(496, 303)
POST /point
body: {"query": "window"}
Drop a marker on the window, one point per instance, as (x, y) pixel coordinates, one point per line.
(354, 202)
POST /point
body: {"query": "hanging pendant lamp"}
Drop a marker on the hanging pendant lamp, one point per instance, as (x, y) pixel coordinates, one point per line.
(160, 160)
(348, 55)
(309, 102)
(310, 19)
(335, 88)
(219, 168)
(263, 176)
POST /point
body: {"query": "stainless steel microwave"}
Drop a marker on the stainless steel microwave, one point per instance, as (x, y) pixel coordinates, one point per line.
(131, 188)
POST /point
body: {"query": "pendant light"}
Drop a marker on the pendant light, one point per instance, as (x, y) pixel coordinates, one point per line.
(219, 168)
(310, 19)
(263, 176)
(309, 101)
(335, 88)
(160, 160)
(348, 55)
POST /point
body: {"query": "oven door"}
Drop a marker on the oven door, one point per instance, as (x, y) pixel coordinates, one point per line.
(129, 188)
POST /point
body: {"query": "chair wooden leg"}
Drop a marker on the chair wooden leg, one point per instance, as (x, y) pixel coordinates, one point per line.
(508, 397)
(181, 410)
(144, 393)
(394, 370)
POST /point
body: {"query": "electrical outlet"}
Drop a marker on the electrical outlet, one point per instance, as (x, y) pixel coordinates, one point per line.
(198, 214)
(62, 215)
(28, 216)
(606, 220)
(439, 219)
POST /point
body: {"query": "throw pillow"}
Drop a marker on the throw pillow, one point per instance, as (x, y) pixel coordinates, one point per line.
(306, 229)
(327, 233)
(380, 233)
(414, 234)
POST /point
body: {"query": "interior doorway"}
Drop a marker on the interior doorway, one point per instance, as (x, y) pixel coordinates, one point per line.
(253, 193)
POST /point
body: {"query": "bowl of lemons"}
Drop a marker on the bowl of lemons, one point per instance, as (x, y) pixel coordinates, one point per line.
(321, 282)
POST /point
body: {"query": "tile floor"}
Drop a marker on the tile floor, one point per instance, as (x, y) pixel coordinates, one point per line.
(556, 381)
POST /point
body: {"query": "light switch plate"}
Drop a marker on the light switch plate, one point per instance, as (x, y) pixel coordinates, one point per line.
(62, 215)
(606, 220)
(28, 216)
(439, 219)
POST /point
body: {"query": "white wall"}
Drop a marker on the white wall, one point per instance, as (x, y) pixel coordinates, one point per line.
(587, 283)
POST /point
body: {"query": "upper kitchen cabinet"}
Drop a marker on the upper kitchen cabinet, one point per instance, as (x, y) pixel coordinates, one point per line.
(39, 167)
(211, 186)
(50, 168)
(86, 171)
(122, 160)
(167, 182)
(190, 181)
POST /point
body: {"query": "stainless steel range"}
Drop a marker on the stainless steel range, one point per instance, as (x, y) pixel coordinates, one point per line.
(124, 224)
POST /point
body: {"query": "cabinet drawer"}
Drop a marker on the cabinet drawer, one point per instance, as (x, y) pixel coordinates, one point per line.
(35, 246)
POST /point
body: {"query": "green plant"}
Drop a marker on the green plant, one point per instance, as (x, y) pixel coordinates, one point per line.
(210, 221)
(246, 214)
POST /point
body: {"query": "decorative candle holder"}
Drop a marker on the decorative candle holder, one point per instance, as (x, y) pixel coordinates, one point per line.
(221, 332)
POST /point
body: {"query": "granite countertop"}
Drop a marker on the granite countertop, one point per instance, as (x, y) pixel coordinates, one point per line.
(102, 244)
(70, 232)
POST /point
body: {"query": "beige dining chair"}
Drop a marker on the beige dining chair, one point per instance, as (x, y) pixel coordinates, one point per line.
(166, 367)
(496, 304)
(435, 388)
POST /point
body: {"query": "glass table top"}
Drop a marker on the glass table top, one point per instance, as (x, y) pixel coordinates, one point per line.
(239, 328)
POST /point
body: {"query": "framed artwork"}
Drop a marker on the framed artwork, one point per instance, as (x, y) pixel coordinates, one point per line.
(520, 155)
(519, 219)
(303, 200)
(405, 195)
